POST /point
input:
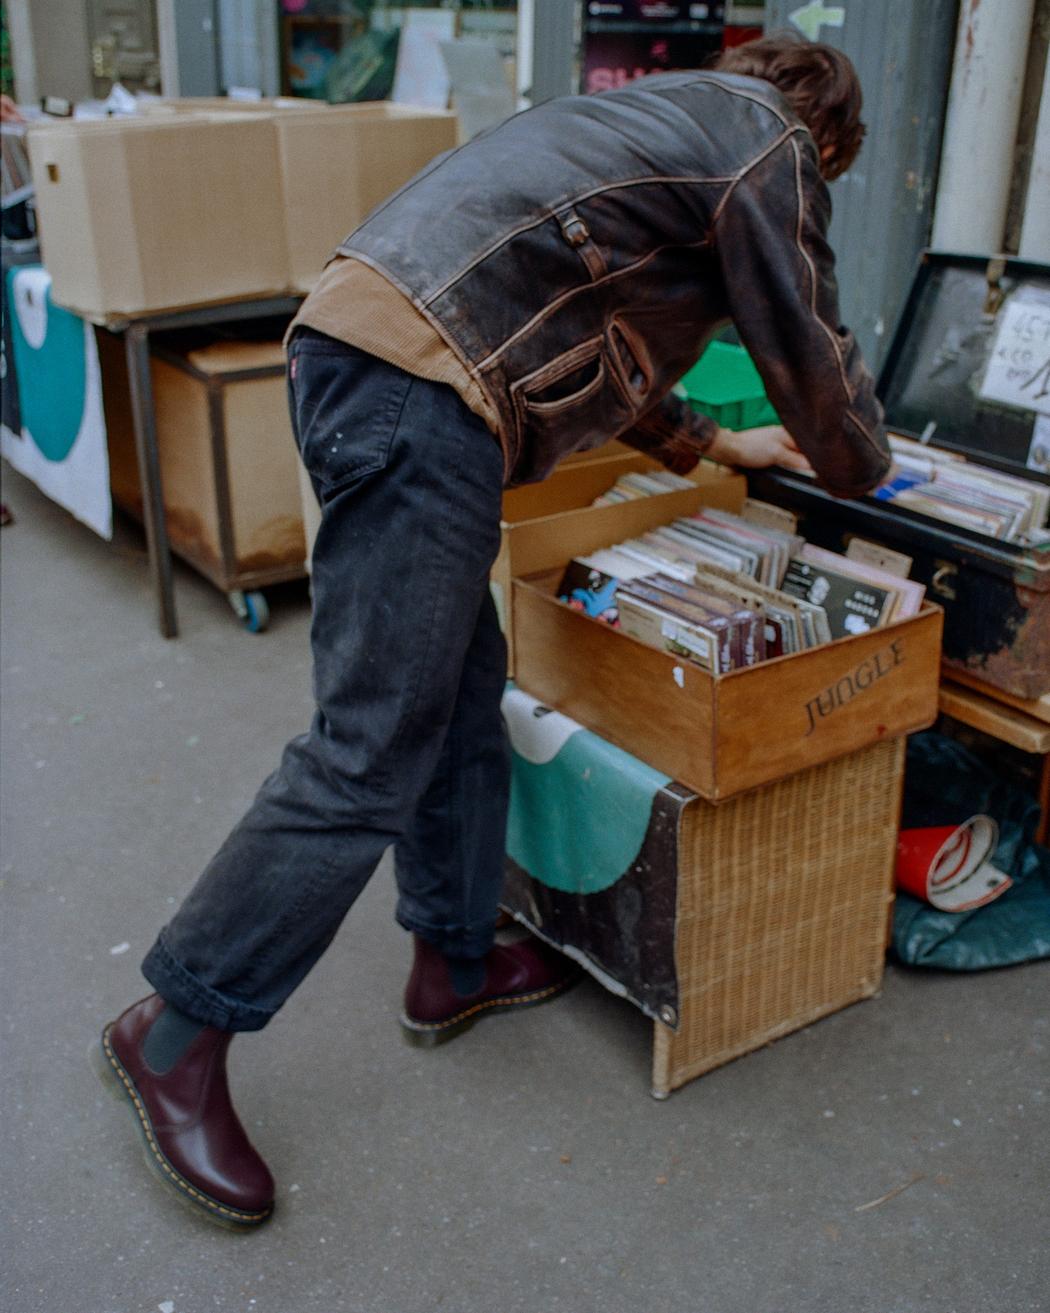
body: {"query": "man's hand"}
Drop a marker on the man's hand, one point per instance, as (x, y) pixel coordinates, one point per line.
(754, 449)
(9, 111)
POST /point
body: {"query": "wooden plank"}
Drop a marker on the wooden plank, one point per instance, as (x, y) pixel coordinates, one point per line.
(993, 717)
(265, 503)
(574, 487)
(552, 540)
(1037, 708)
(612, 448)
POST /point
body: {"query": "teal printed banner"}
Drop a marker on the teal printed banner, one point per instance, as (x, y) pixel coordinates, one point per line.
(593, 853)
(61, 440)
(580, 807)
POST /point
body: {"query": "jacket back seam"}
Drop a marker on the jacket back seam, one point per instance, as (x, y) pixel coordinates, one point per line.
(826, 328)
(583, 196)
(551, 213)
(752, 164)
(559, 301)
(710, 81)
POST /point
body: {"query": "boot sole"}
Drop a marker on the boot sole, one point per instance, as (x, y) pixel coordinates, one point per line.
(428, 1035)
(115, 1079)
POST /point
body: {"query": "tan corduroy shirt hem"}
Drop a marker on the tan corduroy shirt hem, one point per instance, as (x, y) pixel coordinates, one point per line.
(355, 304)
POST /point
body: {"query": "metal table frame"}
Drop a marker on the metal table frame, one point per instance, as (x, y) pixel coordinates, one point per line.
(136, 332)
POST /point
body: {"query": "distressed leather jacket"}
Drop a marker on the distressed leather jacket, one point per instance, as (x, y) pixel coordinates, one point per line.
(579, 257)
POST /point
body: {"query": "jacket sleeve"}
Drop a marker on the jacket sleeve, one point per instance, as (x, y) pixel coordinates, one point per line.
(673, 434)
(770, 236)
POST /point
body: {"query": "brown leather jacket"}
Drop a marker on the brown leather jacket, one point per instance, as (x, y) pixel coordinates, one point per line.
(579, 256)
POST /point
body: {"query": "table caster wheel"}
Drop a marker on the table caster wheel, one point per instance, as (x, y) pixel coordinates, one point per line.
(252, 610)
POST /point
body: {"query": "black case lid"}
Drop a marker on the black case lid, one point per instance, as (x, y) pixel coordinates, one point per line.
(940, 351)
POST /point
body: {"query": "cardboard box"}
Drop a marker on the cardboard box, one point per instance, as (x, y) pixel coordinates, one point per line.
(723, 735)
(227, 458)
(139, 215)
(338, 163)
(546, 524)
(176, 209)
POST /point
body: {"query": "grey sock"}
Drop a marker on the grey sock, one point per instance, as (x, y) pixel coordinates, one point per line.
(168, 1039)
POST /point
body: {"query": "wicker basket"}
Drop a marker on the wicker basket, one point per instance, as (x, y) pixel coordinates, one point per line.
(784, 896)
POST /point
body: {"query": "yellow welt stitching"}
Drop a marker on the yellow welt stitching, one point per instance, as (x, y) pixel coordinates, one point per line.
(158, 1153)
(480, 1007)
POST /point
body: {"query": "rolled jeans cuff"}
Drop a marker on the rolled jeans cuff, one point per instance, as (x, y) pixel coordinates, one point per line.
(179, 987)
(450, 941)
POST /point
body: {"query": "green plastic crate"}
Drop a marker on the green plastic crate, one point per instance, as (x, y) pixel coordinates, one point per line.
(725, 384)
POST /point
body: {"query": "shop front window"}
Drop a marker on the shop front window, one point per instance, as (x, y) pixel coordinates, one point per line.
(353, 50)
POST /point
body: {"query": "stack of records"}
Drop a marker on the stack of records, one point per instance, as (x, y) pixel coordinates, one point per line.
(948, 487)
(628, 487)
(728, 591)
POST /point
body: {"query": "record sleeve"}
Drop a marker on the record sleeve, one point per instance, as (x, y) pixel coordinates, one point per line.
(852, 606)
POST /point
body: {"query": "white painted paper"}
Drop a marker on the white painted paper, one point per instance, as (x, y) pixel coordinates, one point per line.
(536, 733)
(481, 94)
(1018, 371)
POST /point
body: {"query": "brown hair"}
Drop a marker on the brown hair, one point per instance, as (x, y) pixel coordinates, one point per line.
(818, 82)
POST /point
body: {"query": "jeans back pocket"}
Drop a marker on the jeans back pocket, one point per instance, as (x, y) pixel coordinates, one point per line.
(345, 411)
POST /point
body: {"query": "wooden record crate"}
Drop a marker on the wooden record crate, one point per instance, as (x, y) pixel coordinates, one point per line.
(784, 897)
(723, 735)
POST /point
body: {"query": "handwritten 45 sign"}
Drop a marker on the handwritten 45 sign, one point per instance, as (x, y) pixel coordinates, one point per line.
(1018, 372)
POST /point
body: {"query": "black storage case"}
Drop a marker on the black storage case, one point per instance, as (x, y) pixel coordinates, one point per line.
(996, 595)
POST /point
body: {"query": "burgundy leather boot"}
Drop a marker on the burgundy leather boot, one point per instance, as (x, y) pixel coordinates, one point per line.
(193, 1137)
(519, 975)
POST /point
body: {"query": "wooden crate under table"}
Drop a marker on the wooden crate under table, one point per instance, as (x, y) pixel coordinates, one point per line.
(227, 457)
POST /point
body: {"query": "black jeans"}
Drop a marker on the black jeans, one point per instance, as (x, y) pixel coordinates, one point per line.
(407, 746)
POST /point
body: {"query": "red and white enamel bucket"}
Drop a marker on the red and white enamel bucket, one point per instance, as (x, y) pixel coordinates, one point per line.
(950, 866)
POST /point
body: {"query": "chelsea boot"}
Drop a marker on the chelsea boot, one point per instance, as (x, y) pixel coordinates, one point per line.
(193, 1137)
(510, 977)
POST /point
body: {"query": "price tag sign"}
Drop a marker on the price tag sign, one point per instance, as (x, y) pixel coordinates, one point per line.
(1018, 372)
